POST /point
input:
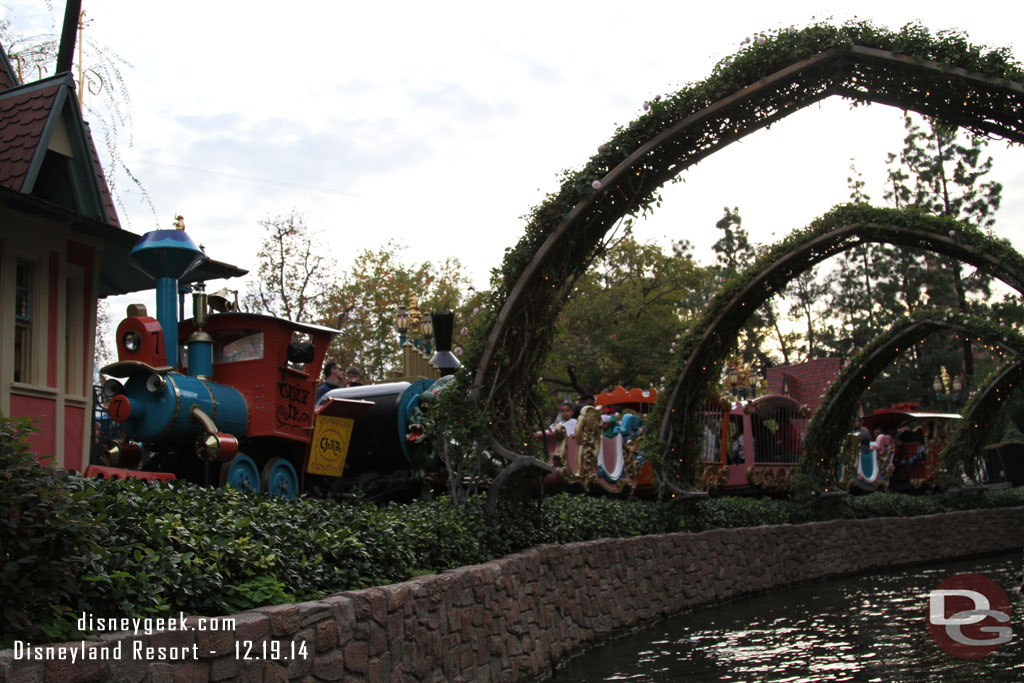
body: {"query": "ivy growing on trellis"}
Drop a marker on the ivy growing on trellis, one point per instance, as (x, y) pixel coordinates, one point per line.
(940, 75)
(979, 414)
(707, 344)
(835, 417)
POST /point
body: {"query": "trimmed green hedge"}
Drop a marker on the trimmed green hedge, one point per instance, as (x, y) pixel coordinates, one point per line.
(114, 548)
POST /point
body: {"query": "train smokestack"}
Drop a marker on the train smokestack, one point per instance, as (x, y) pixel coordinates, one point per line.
(444, 328)
(167, 256)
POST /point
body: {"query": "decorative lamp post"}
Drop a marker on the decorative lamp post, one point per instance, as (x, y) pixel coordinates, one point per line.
(402, 324)
(741, 382)
(427, 330)
(950, 398)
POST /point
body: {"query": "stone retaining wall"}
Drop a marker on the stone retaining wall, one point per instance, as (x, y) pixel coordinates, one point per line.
(517, 617)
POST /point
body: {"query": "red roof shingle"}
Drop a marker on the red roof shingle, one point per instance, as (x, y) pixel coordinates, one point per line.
(805, 382)
(23, 116)
(101, 180)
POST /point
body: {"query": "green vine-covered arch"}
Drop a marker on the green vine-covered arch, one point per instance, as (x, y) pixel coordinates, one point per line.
(979, 414)
(835, 416)
(703, 350)
(938, 75)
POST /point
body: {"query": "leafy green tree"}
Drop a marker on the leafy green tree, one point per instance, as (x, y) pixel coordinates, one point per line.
(364, 303)
(733, 250)
(850, 291)
(620, 321)
(949, 180)
(733, 253)
(873, 285)
(806, 294)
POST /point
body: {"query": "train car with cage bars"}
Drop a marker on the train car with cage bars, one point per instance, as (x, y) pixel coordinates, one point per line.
(752, 445)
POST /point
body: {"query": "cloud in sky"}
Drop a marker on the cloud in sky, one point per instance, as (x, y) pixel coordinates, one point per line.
(439, 125)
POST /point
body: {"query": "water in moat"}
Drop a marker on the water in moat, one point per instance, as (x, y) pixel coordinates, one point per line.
(867, 628)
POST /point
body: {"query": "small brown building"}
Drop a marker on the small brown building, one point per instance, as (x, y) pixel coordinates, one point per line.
(61, 249)
(807, 382)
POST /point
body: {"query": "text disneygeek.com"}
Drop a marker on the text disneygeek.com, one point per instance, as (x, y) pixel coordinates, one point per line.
(136, 649)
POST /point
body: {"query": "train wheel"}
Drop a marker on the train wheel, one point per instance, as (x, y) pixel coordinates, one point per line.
(241, 474)
(280, 479)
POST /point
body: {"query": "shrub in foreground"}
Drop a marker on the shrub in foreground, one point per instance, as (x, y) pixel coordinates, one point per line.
(44, 532)
(123, 548)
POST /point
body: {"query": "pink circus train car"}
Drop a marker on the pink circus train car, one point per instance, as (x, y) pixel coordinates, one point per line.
(756, 444)
(603, 450)
(909, 462)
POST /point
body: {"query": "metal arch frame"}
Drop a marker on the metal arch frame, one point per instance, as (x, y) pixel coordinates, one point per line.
(839, 76)
(836, 414)
(983, 408)
(699, 369)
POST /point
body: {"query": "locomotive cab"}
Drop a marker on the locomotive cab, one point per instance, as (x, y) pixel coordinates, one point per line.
(254, 353)
(251, 390)
(238, 398)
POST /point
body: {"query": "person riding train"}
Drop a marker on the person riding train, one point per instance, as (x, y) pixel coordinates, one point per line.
(334, 377)
(566, 417)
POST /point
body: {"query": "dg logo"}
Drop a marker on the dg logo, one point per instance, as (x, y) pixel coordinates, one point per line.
(969, 616)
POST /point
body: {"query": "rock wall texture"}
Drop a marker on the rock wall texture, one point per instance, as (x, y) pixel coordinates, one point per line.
(515, 618)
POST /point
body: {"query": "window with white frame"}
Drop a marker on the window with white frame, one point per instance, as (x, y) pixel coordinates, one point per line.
(23, 300)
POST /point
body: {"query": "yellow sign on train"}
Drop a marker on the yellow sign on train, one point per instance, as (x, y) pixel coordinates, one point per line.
(330, 445)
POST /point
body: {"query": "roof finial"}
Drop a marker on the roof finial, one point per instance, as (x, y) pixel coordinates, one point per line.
(179, 222)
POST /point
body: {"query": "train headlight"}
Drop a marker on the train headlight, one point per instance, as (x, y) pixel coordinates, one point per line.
(131, 341)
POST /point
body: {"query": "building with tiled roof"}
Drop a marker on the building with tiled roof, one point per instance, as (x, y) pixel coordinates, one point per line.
(805, 382)
(61, 249)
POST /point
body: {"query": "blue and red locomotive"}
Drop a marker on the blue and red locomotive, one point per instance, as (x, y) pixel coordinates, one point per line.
(227, 398)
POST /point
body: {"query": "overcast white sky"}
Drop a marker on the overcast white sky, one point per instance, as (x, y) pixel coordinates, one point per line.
(440, 124)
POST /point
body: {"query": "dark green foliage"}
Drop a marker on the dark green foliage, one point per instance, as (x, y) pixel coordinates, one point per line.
(720, 513)
(443, 535)
(630, 168)
(1004, 498)
(43, 536)
(179, 547)
(702, 351)
(566, 518)
(615, 327)
(116, 548)
(893, 505)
